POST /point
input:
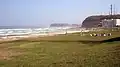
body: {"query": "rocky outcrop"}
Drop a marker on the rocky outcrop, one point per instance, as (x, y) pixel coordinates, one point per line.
(94, 21)
(59, 25)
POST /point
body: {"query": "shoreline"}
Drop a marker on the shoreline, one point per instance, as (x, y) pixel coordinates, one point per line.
(22, 36)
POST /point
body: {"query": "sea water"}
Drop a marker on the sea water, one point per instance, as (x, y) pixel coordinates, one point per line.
(23, 31)
(36, 31)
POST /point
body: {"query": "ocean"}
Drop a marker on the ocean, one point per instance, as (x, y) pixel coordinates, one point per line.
(19, 27)
(22, 30)
(15, 30)
(19, 30)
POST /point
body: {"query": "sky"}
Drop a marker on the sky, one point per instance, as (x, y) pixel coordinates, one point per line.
(45, 12)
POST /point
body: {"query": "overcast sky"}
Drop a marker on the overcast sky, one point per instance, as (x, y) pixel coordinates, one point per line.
(45, 12)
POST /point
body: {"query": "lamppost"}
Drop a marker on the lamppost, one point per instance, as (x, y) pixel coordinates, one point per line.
(66, 32)
(81, 32)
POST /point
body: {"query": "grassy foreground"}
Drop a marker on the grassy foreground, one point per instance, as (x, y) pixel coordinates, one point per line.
(39, 52)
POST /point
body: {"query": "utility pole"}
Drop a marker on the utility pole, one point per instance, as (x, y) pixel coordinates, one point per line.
(111, 9)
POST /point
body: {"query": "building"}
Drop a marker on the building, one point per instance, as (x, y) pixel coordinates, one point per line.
(108, 23)
(117, 22)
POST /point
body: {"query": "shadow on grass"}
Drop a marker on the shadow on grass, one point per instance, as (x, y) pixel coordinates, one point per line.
(112, 39)
(81, 41)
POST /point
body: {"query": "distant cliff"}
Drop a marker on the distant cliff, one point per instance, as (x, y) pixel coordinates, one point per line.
(64, 25)
(94, 21)
(59, 25)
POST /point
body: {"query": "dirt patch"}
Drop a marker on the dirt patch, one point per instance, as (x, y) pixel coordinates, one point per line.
(7, 54)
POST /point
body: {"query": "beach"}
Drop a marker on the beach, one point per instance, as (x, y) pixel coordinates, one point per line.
(15, 34)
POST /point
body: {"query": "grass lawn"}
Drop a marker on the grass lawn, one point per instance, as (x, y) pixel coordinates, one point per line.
(44, 52)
